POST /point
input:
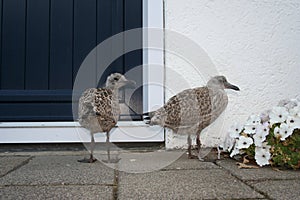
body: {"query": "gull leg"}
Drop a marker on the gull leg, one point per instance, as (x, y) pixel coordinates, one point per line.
(190, 155)
(109, 160)
(219, 152)
(198, 142)
(108, 146)
(91, 159)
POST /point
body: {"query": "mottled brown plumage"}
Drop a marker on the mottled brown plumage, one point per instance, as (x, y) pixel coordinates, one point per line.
(99, 109)
(192, 110)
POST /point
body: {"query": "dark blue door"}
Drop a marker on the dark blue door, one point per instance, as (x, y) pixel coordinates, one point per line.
(43, 43)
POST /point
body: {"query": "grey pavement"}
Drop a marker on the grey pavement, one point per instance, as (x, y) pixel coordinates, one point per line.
(58, 175)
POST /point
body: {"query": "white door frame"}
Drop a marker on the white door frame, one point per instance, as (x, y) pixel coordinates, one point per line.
(70, 132)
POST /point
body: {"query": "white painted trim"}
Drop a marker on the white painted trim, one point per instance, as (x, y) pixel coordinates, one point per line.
(62, 124)
(68, 132)
(37, 124)
(124, 132)
(153, 73)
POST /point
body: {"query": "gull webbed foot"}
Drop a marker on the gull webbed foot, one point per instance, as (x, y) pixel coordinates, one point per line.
(88, 160)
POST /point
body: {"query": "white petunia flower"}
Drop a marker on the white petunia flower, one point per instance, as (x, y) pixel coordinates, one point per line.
(278, 115)
(293, 122)
(285, 131)
(259, 138)
(264, 116)
(262, 156)
(244, 142)
(250, 129)
(251, 123)
(235, 151)
(253, 120)
(228, 143)
(277, 131)
(263, 128)
(235, 130)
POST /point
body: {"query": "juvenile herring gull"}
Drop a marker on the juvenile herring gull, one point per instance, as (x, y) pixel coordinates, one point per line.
(99, 109)
(192, 110)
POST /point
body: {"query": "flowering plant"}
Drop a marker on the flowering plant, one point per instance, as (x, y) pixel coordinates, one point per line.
(272, 138)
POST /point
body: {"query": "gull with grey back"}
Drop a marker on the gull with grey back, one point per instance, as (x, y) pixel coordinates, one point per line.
(192, 110)
(99, 110)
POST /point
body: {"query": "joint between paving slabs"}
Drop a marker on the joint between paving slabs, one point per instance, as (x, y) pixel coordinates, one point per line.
(183, 169)
(266, 196)
(23, 163)
(116, 184)
(54, 185)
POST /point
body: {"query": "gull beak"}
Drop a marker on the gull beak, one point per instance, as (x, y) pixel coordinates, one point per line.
(230, 86)
(130, 84)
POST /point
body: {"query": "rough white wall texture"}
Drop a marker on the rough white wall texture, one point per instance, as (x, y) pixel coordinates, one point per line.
(254, 43)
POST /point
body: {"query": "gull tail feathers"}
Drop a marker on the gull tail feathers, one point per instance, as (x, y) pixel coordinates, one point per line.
(148, 118)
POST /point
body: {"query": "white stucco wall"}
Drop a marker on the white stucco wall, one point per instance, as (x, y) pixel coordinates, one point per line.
(255, 44)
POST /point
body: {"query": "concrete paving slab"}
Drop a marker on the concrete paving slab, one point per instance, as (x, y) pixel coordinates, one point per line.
(279, 189)
(184, 163)
(56, 192)
(46, 170)
(183, 184)
(141, 162)
(264, 173)
(8, 163)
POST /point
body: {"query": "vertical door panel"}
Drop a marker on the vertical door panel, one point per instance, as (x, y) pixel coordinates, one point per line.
(37, 45)
(85, 27)
(133, 60)
(13, 44)
(61, 44)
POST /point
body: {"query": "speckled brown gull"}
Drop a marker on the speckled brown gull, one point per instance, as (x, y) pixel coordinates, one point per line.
(192, 110)
(99, 109)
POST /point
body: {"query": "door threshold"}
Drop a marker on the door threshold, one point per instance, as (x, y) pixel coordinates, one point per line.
(72, 132)
(63, 124)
